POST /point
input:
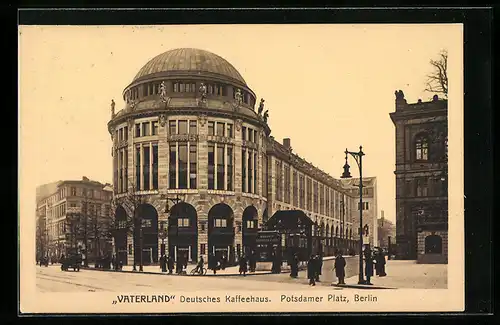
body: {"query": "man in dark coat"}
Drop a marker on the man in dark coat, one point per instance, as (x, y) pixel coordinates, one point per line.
(294, 266)
(223, 262)
(380, 263)
(243, 265)
(179, 264)
(368, 266)
(170, 264)
(311, 270)
(319, 265)
(212, 263)
(163, 263)
(276, 268)
(252, 261)
(339, 267)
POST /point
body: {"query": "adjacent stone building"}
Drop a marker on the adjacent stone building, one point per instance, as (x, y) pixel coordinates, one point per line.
(369, 208)
(72, 214)
(421, 179)
(196, 170)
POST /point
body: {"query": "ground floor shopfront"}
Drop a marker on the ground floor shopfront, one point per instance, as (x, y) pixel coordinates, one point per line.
(219, 226)
(197, 225)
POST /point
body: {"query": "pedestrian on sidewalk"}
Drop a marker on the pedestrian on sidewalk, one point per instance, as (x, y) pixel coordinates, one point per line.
(212, 263)
(339, 267)
(368, 266)
(319, 265)
(380, 263)
(243, 265)
(223, 261)
(276, 268)
(170, 264)
(294, 266)
(163, 263)
(252, 261)
(311, 270)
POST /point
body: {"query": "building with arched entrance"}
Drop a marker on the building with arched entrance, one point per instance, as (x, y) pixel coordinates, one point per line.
(421, 179)
(194, 160)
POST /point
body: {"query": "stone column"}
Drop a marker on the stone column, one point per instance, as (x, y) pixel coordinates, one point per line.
(163, 155)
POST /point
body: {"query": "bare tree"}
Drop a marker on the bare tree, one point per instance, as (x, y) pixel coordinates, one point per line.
(437, 81)
(128, 223)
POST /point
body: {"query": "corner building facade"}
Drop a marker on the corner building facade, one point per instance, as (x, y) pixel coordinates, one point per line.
(189, 131)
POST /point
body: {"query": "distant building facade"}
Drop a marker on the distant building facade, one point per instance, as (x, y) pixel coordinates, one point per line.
(386, 232)
(369, 208)
(421, 179)
(71, 214)
(191, 130)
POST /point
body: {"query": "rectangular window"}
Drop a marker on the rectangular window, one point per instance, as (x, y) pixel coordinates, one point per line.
(203, 249)
(321, 199)
(309, 194)
(154, 128)
(182, 222)
(229, 130)
(211, 128)
(255, 172)
(264, 175)
(192, 165)
(172, 127)
(229, 168)
(250, 171)
(183, 127)
(220, 223)
(183, 164)
(137, 130)
(287, 184)
(145, 167)
(250, 135)
(295, 189)
(279, 180)
(182, 87)
(73, 191)
(315, 198)
(220, 167)
(220, 129)
(243, 170)
(120, 134)
(146, 223)
(125, 173)
(211, 166)
(172, 166)
(193, 127)
(176, 87)
(146, 129)
(243, 133)
(155, 167)
(255, 136)
(138, 168)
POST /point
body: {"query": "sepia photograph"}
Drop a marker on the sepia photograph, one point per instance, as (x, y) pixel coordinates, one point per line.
(249, 168)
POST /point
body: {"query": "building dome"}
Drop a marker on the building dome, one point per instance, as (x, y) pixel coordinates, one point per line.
(189, 60)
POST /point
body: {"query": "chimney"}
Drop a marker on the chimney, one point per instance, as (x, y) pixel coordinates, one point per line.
(286, 143)
(84, 178)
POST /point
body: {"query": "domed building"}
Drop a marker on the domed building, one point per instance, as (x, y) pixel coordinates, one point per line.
(194, 162)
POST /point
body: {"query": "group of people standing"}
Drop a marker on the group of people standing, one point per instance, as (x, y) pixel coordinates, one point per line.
(314, 266)
(247, 262)
(374, 260)
(167, 263)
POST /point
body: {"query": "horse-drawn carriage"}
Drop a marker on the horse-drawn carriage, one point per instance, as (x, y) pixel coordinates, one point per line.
(73, 260)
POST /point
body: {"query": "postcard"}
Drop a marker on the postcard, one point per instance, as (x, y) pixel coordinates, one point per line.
(241, 168)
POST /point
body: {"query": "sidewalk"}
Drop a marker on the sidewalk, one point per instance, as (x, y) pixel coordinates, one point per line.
(228, 271)
(406, 275)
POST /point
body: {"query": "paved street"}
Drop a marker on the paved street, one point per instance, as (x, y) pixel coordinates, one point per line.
(400, 274)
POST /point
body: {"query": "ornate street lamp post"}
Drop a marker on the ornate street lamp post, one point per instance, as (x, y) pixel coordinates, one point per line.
(358, 156)
(167, 211)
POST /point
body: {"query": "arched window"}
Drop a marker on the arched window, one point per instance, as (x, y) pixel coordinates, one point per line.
(421, 147)
(433, 244)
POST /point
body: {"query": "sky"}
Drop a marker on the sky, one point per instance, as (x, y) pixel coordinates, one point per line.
(327, 87)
